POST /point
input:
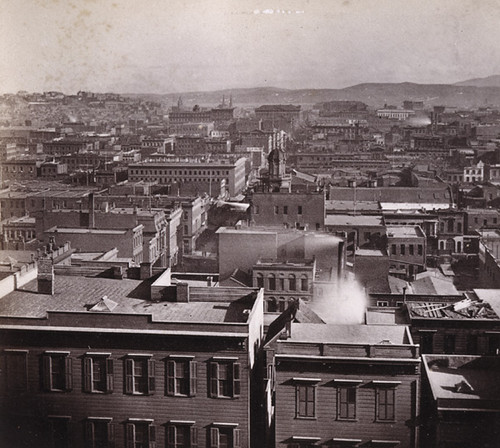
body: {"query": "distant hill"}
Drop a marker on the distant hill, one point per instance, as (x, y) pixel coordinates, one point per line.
(490, 81)
(373, 94)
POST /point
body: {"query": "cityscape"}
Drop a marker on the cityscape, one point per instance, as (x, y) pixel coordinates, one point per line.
(230, 249)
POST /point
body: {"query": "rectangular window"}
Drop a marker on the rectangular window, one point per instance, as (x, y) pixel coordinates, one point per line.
(449, 344)
(181, 377)
(276, 210)
(57, 372)
(182, 436)
(97, 374)
(15, 372)
(139, 375)
(386, 403)
(99, 433)
(402, 249)
(393, 249)
(305, 401)
(223, 437)
(411, 249)
(141, 435)
(420, 249)
(285, 210)
(58, 432)
(225, 381)
(299, 210)
(303, 284)
(346, 403)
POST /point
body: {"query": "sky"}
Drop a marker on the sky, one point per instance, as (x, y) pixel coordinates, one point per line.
(168, 46)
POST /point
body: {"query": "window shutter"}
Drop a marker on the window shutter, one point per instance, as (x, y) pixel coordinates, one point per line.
(46, 376)
(111, 435)
(193, 377)
(152, 436)
(171, 436)
(129, 377)
(130, 435)
(236, 379)
(193, 437)
(87, 374)
(170, 377)
(68, 366)
(89, 434)
(151, 376)
(109, 375)
(236, 438)
(377, 403)
(214, 377)
(214, 437)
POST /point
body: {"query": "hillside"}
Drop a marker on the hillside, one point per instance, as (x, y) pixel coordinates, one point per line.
(490, 81)
(373, 94)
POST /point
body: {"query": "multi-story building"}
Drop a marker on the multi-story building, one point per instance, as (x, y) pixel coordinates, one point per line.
(19, 169)
(284, 281)
(460, 401)
(102, 362)
(53, 170)
(59, 147)
(407, 249)
(207, 176)
(291, 210)
(395, 114)
(343, 386)
(278, 112)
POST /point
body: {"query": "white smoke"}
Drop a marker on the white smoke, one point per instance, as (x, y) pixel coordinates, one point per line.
(343, 303)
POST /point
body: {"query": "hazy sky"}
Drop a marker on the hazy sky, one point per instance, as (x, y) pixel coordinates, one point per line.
(162, 46)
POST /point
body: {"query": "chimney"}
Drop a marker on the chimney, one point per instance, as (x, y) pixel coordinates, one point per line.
(182, 292)
(341, 259)
(45, 276)
(91, 211)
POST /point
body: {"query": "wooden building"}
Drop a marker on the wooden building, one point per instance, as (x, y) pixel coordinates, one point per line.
(98, 362)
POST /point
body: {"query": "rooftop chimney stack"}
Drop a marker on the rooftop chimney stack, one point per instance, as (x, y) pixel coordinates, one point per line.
(91, 211)
(45, 276)
(182, 292)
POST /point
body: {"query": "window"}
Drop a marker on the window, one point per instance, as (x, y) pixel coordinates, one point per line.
(304, 284)
(385, 403)
(225, 379)
(346, 403)
(403, 249)
(99, 433)
(393, 249)
(15, 372)
(299, 210)
(224, 437)
(411, 249)
(57, 371)
(450, 225)
(182, 435)
(182, 376)
(139, 375)
(276, 210)
(272, 282)
(305, 400)
(382, 303)
(141, 434)
(285, 209)
(58, 432)
(420, 249)
(97, 373)
(449, 344)
(459, 227)
(260, 280)
(292, 283)
(272, 306)
(472, 344)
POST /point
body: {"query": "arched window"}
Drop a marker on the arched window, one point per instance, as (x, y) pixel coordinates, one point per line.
(272, 306)
(282, 304)
(260, 280)
(303, 283)
(272, 282)
(292, 282)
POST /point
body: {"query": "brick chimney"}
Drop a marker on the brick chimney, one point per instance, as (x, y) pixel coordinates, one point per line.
(182, 292)
(45, 276)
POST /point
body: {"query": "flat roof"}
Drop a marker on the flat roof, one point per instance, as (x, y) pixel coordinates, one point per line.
(466, 310)
(353, 220)
(404, 231)
(79, 294)
(348, 334)
(447, 372)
